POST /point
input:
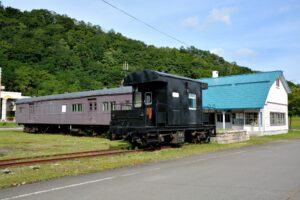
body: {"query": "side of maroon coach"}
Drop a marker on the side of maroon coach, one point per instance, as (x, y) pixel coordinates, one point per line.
(88, 111)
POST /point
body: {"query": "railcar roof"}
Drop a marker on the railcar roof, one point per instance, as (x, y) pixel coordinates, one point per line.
(73, 95)
(145, 76)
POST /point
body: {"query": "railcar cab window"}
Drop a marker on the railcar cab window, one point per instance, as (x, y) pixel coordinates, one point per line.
(175, 94)
(192, 101)
(137, 99)
(148, 98)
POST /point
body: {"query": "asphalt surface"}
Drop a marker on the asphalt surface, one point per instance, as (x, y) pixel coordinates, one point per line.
(268, 172)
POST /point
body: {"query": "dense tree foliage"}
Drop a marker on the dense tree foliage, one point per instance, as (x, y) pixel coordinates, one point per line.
(294, 101)
(42, 52)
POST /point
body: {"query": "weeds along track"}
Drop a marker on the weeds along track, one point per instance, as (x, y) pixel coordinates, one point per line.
(60, 157)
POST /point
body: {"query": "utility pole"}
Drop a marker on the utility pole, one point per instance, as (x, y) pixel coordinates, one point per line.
(125, 68)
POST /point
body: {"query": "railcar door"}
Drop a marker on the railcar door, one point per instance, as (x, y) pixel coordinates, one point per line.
(92, 110)
(149, 110)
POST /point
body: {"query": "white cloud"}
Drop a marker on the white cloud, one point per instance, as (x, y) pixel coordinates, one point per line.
(190, 22)
(218, 51)
(245, 52)
(221, 15)
(216, 15)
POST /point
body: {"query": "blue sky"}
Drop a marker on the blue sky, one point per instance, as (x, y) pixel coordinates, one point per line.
(263, 35)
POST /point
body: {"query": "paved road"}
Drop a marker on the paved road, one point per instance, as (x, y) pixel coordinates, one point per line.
(263, 172)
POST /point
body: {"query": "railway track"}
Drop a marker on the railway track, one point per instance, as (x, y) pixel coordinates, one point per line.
(60, 157)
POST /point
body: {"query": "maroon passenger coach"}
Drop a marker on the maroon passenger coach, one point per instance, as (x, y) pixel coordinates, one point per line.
(88, 111)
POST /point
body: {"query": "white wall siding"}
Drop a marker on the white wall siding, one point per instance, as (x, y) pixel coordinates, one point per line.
(277, 101)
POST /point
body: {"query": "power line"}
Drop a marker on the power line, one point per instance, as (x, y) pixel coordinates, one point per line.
(145, 23)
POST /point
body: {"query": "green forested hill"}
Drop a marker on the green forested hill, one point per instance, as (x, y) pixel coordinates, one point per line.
(42, 53)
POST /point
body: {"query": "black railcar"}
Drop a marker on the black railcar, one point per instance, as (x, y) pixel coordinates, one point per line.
(166, 109)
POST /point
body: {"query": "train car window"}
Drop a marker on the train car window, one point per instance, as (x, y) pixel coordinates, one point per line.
(31, 109)
(77, 107)
(137, 99)
(113, 105)
(192, 101)
(175, 94)
(21, 109)
(105, 106)
(148, 98)
(92, 106)
(126, 105)
(63, 108)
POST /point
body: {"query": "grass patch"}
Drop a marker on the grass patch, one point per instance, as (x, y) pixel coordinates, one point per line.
(295, 123)
(14, 144)
(9, 125)
(22, 175)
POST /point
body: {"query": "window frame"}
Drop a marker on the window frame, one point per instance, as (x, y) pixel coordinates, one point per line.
(137, 104)
(145, 98)
(251, 116)
(175, 94)
(193, 97)
(63, 108)
(277, 119)
(77, 107)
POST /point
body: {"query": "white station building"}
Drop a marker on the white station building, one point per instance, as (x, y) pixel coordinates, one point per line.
(257, 102)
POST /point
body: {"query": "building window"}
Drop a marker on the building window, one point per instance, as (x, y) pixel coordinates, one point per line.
(277, 82)
(238, 118)
(277, 119)
(63, 108)
(192, 101)
(251, 118)
(77, 107)
(220, 117)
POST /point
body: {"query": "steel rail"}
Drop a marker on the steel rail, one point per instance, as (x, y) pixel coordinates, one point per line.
(61, 157)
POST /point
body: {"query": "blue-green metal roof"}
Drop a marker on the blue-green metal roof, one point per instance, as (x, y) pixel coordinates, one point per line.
(247, 91)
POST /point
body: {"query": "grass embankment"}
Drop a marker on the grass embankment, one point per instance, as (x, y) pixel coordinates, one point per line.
(295, 123)
(9, 125)
(48, 144)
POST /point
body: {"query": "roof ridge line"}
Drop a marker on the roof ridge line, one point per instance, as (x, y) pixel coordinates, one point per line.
(242, 74)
